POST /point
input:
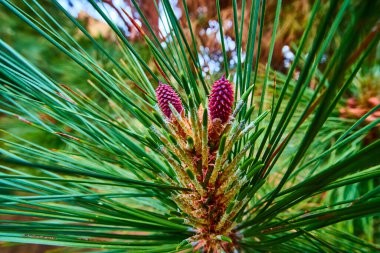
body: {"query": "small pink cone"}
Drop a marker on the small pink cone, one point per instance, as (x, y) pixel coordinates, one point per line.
(166, 95)
(221, 100)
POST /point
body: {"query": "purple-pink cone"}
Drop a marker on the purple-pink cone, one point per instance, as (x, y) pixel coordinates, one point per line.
(221, 100)
(165, 94)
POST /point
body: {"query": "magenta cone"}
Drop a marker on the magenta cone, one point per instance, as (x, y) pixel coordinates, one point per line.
(221, 100)
(166, 95)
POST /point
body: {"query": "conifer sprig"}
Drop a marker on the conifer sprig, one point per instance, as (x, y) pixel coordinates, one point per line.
(191, 164)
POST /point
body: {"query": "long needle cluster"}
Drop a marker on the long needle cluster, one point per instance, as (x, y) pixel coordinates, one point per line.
(198, 146)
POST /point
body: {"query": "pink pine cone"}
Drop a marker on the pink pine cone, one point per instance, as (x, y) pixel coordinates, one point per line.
(165, 94)
(221, 100)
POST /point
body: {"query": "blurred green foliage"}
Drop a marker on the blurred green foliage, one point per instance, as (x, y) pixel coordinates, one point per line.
(53, 62)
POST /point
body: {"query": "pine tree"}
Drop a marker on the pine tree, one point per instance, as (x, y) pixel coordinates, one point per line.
(167, 158)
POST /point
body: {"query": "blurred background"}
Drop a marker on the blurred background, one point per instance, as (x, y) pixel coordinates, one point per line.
(358, 100)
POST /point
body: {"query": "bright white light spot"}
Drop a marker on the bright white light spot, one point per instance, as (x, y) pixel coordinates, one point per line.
(202, 10)
(287, 63)
(164, 22)
(288, 56)
(84, 6)
(324, 59)
(285, 49)
(228, 24)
